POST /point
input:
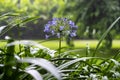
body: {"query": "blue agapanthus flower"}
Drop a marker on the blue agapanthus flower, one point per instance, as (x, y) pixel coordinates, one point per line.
(60, 27)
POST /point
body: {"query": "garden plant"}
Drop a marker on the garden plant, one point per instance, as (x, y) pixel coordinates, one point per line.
(29, 60)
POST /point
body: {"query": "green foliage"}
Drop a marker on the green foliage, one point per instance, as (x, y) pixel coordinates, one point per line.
(9, 61)
(25, 63)
(93, 17)
(34, 61)
(81, 68)
(29, 7)
(106, 33)
(30, 61)
(12, 20)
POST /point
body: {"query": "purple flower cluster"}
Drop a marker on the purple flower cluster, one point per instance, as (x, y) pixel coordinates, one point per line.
(60, 27)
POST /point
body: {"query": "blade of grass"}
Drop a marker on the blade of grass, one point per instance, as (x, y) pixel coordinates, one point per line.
(33, 43)
(9, 61)
(104, 35)
(44, 64)
(35, 74)
(9, 14)
(9, 26)
(76, 60)
(72, 62)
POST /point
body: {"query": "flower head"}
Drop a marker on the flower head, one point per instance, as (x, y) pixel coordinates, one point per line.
(60, 27)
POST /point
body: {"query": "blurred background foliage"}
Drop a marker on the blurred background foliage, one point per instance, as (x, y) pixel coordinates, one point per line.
(93, 17)
(28, 7)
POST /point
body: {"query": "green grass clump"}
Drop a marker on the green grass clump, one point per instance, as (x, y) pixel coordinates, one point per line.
(51, 60)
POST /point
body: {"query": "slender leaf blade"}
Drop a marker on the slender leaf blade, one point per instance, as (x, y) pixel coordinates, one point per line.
(44, 64)
(35, 74)
(105, 34)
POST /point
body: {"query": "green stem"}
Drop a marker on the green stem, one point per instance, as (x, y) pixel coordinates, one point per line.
(60, 45)
(19, 37)
(9, 61)
(86, 52)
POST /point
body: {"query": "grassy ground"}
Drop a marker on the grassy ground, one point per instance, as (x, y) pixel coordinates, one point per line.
(83, 43)
(77, 43)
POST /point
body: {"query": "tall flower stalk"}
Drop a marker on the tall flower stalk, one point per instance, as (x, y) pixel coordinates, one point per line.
(60, 27)
(60, 39)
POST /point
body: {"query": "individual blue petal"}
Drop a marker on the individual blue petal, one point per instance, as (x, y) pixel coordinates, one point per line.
(72, 34)
(47, 28)
(61, 28)
(46, 36)
(58, 35)
(64, 19)
(54, 19)
(71, 23)
(74, 27)
(49, 22)
(52, 23)
(53, 32)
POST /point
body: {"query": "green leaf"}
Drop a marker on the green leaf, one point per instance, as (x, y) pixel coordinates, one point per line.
(115, 62)
(105, 34)
(72, 62)
(30, 19)
(11, 25)
(1, 28)
(33, 43)
(44, 64)
(9, 14)
(68, 52)
(35, 74)
(83, 59)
